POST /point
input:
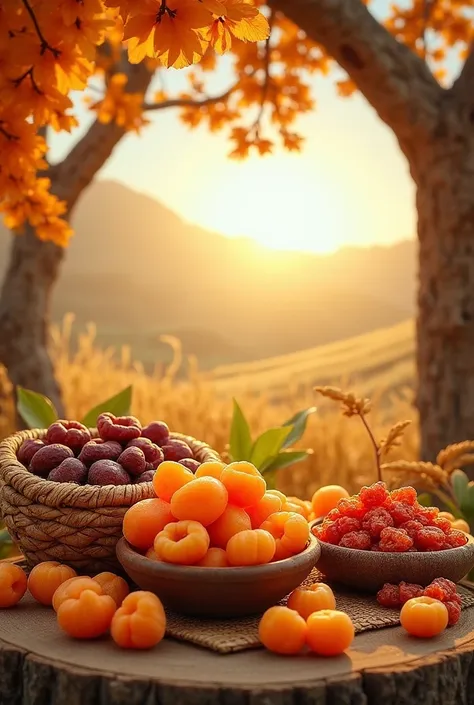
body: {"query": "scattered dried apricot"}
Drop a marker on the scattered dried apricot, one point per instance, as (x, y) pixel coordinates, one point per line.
(113, 585)
(282, 630)
(72, 588)
(140, 623)
(45, 578)
(330, 632)
(86, 616)
(13, 584)
(424, 617)
(311, 598)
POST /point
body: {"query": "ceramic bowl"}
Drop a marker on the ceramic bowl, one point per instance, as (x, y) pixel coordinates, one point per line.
(369, 570)
(219, 592)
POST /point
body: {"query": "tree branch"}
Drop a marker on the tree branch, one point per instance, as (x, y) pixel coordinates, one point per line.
(396, 82)
(463, 87)
(190, 102)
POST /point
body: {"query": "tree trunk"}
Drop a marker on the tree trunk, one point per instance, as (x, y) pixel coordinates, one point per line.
(444, 173)
(24, 314)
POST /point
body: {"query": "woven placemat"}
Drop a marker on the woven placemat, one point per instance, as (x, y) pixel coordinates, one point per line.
(229, 636)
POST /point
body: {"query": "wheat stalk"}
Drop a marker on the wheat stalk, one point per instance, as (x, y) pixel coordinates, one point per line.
(455, 456)
(353, 406)
(393, 437)
(417, 467)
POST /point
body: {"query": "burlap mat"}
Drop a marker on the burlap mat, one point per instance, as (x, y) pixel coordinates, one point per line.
(229, 636)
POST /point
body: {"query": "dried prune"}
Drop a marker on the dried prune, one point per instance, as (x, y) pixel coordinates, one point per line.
(133, 461)
(49, 457)
(157, 431)
(118, 428)
(190, 464)
(107, 472)
(153, 454)
(28, 449)
(146, 476)
(99, 450)
(176, 450)
(70, 470)
(70, 433)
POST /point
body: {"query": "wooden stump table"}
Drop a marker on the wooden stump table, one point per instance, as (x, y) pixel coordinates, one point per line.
(41, 666)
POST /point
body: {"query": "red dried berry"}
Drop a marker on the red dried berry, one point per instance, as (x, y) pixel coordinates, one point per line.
(133, 461)
(454, 539)
(157, 431)
(409, 590)
(69, 433)
(375, 547)
(412, 527)
(401, 513)
(454, 612)
(426, 515)
(356, 539)
(347, 524)
(437, 592)
(118, 428)
(376, 520)
(327, 531)
(28, 449)
(443, 524)
(99, 450)
(430, 538)
(375, 495)
(395, 541)
(333, 515)
(448, 586)
(389, 595)
(153, 454)
(406, 495)
(351, 508)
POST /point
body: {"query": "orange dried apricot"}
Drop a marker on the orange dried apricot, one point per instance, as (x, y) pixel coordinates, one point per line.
(295, 508)
(13, 584)
(72, 588)
(269, 504)
(170, 477)
(214, 558)
(461, 525)
(282, 630)
(140, 623)
(46, 577)
(304, 508)
(203, 500)
(184, 543)
(113, 585)
(250, 547)
(278, 494)
(330, 632)
(291, 532)
(233, 520)
(86, 616)
(326, 498)
(312, 598)
(213, 468)
(144, 520)
(424, 617)
(447, 515)
(244, 484)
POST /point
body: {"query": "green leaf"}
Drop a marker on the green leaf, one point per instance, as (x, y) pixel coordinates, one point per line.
(425, 499)
(268, 445)
(35, 409)
(459, 482)
(284, 460)
(119, 405)
(298, 421)
(467, 504)
(240, 445)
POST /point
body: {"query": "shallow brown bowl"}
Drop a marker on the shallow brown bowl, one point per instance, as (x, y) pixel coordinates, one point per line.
(219, 592)
(369, 570)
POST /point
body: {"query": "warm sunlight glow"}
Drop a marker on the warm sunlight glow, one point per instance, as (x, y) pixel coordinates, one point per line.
(276, 202)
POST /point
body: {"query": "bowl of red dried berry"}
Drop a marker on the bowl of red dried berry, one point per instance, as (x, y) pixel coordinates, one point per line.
(378, 537)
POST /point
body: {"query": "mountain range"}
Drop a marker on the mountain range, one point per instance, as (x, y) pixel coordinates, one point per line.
(138, 270)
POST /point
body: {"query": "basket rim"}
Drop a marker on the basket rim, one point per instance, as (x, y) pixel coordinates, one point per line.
(15, 475)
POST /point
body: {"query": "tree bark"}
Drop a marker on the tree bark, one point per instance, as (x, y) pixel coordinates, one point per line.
(35, 265)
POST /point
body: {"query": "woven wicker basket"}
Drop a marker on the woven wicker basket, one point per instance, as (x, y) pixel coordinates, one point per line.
(76, 525)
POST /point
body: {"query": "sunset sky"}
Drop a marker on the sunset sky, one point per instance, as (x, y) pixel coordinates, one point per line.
(349, 186)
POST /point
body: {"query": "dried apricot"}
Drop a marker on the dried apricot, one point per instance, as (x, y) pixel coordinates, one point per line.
(45, 578)
(72, 588)
(251, 547)
(13, 584)
(203, 500)
(140, 623)
(86, 616)
(330, 632)
(230, 522)
(144, 520)
(424, 617)
(183, 542)
(290, 531)
(282, 630)
(213, 468)
(244, 484)
(311, 598)
(113, 585)
(461, 525)
(214, 558)
(326, 498)
(170, 477)
(269, 504)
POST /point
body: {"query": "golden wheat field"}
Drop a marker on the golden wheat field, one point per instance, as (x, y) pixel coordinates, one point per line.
(379, 365)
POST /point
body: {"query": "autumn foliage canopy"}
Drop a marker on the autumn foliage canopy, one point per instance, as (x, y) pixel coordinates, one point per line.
(48, 49)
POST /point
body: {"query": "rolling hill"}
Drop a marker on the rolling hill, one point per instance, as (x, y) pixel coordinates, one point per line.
(138, 270)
